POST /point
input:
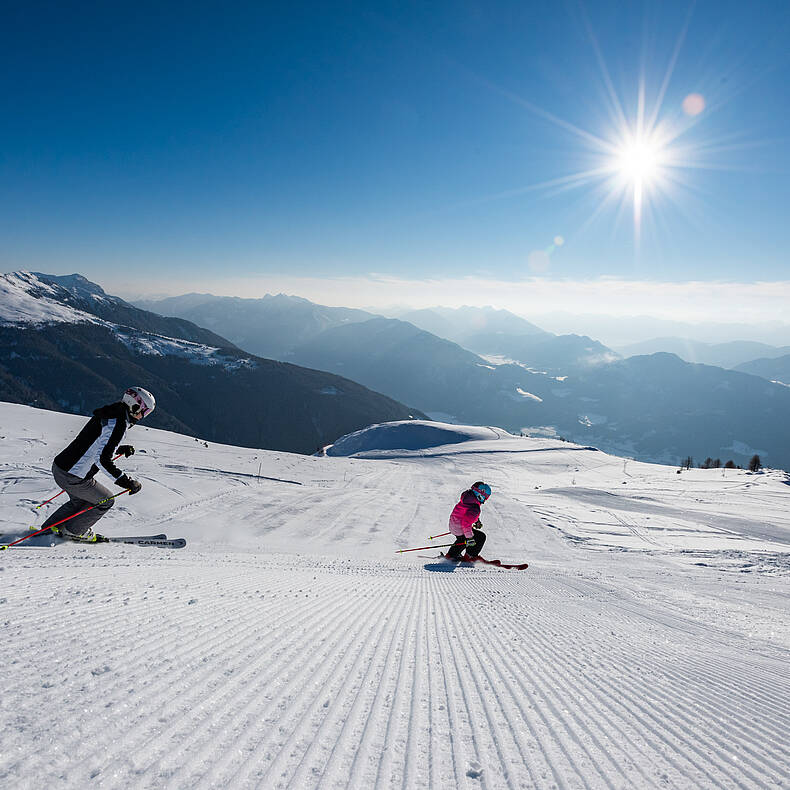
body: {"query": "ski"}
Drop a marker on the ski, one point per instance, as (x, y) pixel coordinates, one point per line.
(497, 563)
(132, 540)
(516, 567)
(165, 543)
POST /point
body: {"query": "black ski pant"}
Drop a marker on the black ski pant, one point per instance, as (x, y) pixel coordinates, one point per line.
(457, 549)
(82, 494)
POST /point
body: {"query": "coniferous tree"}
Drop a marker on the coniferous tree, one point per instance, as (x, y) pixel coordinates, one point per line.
(754, 463)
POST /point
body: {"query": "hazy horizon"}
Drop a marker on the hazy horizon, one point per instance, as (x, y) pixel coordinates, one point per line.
(612, 328)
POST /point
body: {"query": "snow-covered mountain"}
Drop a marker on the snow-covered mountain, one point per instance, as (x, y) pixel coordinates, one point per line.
(65, 344)
(34, 299)
(288, 645)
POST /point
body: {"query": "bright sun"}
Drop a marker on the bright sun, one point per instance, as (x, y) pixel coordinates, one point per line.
(639, 160)
(638, 164)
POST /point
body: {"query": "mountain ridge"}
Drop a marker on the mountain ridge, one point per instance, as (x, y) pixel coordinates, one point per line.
(56, 354)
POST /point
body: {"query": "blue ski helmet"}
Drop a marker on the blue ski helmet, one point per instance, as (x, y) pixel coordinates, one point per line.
(482, 491)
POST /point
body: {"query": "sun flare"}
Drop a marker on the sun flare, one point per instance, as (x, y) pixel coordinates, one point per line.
(639, 160)
(637, 165)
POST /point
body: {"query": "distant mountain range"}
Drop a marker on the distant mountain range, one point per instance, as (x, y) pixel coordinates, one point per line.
(501, 334)
(276, 326)
(654, 407)
(723, 355)
(773, 368)
(618, 331)
(449, 381)
(462, 323)
(269, 327)
(66, 345)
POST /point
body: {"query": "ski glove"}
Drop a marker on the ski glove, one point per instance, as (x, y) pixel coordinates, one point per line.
(124, 481)
(125, 450)
(470, 542)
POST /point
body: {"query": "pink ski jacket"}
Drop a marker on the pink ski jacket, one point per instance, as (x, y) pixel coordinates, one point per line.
(464, 515)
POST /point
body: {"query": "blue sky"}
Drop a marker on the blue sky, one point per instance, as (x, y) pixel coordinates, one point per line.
(249, 147)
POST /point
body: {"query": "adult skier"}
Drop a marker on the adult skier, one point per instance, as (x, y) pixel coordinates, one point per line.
(95, 446)
(465, 520)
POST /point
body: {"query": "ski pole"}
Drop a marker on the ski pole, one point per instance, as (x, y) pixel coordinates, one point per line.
(440, 535)
(441, 546)
(63, 490)
(44, 529)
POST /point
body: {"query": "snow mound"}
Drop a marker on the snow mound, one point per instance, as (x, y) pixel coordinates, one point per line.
(411, 435)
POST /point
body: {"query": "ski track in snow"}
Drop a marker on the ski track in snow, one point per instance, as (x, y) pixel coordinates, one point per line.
(336, 664)
(294, 672)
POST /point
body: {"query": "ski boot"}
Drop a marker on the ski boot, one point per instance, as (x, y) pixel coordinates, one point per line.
(89, 536)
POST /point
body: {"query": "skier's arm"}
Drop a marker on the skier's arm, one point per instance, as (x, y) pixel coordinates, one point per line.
(474, 520)
(108, 451)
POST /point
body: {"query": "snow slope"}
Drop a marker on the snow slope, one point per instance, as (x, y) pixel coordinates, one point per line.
(289, 646)
(27, 301)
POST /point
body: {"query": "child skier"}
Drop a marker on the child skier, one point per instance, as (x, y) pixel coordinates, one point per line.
(464, 520)
(75, 468)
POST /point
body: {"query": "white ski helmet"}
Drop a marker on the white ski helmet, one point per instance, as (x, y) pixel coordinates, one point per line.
(139, 401)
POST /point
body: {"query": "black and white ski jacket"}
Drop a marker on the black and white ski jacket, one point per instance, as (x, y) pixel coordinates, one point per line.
(96, 443)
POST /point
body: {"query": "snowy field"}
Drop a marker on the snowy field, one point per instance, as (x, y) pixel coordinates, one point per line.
(289, 646)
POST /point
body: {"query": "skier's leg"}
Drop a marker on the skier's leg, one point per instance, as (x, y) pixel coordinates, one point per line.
(73, 505)
(455, 551)
(480, 539)
(82, 494)
(68, 508)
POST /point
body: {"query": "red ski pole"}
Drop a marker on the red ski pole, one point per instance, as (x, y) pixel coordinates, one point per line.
(440, 546)
(44, 529)
(51, 498)
(63, 491)
(440, 535)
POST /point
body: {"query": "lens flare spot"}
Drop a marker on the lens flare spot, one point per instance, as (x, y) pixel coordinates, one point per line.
(694, 104)
(558, 241)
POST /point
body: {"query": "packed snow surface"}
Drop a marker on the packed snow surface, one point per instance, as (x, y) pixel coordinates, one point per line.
(289, 646)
